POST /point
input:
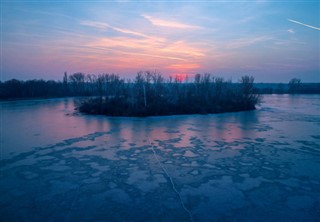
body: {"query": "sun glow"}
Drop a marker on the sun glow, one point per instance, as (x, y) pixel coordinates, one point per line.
(180, 77)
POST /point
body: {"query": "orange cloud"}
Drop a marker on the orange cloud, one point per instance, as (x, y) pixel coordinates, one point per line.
(181, 71)
(183, 48)
(136, 47)
(183, 66)
(136, 51)
(154, 47)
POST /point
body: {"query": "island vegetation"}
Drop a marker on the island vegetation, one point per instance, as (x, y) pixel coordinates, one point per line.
(149, 94)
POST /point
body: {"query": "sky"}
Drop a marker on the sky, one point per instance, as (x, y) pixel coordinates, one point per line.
(273, 41)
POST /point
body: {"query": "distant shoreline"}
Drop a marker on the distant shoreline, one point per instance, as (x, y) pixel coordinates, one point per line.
(82, 85)
(85, 97)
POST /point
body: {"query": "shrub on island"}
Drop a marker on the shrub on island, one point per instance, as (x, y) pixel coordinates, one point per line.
(151, 95)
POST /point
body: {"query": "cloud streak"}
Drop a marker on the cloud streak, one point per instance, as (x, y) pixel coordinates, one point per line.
(244, 42)
(94, 24)
(169, 24)
(291, 31)
(166, 36)
(173, 56)
(104, 26)
(172, 50)
(306, 25)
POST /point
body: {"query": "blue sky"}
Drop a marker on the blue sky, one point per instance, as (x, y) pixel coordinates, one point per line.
(273, 41)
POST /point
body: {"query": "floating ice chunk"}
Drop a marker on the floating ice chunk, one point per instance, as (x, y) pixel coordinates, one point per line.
(189, 153)
(143, 180)
(112, 185)
(160, 178)
(194, 172)
(207, 165)
(192, 164)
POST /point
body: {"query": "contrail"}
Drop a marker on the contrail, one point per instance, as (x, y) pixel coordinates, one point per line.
(300, 23)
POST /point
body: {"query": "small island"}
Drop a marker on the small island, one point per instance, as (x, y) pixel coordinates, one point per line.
(150, 94)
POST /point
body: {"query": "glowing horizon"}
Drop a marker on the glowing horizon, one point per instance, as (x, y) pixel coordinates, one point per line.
(272, 41)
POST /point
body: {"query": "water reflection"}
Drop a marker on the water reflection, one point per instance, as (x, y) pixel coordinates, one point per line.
(257, 164)
(41, 123)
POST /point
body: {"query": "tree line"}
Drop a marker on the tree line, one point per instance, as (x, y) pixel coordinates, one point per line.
(295, 86)
(77, 84)
(151, 94)
(80, 84)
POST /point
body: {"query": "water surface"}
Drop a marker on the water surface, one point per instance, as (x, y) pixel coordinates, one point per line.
(260, 165)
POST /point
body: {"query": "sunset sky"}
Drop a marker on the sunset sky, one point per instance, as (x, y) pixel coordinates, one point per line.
(273, 41)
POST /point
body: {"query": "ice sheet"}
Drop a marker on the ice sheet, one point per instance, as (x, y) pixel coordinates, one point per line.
(260, 165)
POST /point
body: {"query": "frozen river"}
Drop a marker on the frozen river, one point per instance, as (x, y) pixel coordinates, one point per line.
(261, 165)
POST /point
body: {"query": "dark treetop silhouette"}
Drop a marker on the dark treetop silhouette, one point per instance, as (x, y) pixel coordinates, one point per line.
(151, 95)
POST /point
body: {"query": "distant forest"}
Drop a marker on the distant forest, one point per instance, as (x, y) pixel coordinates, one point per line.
(149, 93)
(79, 84)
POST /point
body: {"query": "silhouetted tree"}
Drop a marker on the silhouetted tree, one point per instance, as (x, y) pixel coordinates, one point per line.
(77, 81)
(149, 94)
(294, 86)
(65, 84)
(247, 91)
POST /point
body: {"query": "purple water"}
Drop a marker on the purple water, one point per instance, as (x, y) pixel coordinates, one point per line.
(260, 165)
